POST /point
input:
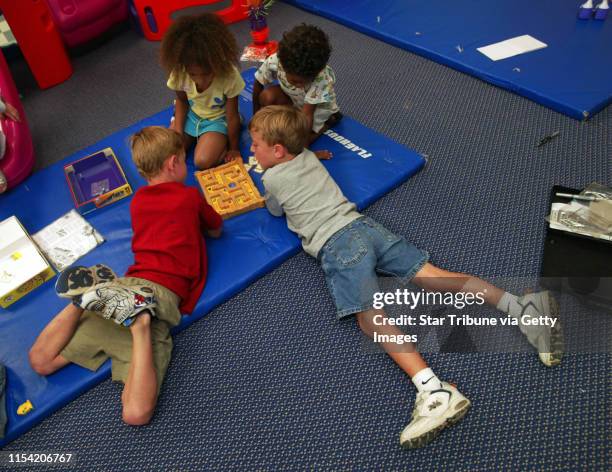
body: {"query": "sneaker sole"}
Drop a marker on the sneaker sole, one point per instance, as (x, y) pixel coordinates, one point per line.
(424, 439)
(557, 340)
(77, 280)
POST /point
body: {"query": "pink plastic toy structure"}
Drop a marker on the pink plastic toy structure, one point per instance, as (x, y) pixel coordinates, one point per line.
(155, 16)
(39, 40)
(18, 158)
(79, 21)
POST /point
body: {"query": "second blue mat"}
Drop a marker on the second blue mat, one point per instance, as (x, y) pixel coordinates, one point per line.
(572, 75)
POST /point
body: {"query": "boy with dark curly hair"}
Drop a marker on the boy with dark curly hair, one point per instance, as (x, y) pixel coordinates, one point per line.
(305, 80)
(200, 55)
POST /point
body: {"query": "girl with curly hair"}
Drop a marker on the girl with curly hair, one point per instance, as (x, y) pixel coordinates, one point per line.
(305, 80)
(200, 55)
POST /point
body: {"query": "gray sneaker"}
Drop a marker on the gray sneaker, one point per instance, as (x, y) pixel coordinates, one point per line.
(119, 303)
(434, 411)
(547, 339)
(77, 280)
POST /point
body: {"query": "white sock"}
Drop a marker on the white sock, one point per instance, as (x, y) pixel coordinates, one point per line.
(425, 380)
(509, 305)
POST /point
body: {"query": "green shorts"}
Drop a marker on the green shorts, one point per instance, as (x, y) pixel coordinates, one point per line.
(97, 339)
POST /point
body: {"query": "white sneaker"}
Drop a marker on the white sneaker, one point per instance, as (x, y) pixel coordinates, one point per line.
(546, 339)
(434, 411)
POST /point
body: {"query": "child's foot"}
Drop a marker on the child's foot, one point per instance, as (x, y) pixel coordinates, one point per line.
(334, 119)
(77, 280)
(121, 304)
(323, 154)
(141, 322)
(547, 339)
(433, 411)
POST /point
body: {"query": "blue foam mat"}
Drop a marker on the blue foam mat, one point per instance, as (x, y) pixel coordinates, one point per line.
(573, 75)
(252, 245)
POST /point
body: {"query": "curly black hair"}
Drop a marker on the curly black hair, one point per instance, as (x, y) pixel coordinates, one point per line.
(201, 40)
(304, 51)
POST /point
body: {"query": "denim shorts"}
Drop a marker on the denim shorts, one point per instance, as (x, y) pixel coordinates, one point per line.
(196, 126)
(354, 255)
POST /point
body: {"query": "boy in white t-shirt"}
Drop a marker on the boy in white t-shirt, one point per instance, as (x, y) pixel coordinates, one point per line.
(353, 248)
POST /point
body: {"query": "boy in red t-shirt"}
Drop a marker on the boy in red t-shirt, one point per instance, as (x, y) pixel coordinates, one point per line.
(166, 279)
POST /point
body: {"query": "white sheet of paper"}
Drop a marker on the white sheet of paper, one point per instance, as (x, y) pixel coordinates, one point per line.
(66, 239)
(512, 47)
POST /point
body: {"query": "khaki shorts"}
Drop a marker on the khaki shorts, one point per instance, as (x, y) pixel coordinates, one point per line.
(97, 339)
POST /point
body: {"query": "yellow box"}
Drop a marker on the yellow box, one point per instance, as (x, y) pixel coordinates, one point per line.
(22, 266)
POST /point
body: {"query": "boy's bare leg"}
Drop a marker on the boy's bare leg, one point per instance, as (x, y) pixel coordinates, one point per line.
(139, 395)
(432, 278)
(209, 150)
(547, 339)
(438, 404)
(404, 355)
(45, 355)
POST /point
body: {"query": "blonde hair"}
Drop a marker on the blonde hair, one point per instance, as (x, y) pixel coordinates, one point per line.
(151, 146)
(280, 124)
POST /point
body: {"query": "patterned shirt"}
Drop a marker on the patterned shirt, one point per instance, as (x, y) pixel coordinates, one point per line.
(319, 92)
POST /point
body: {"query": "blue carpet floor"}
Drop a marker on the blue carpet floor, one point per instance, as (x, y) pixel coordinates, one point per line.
(271, 381)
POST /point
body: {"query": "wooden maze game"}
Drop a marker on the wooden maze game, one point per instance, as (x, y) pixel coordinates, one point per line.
(229, 189)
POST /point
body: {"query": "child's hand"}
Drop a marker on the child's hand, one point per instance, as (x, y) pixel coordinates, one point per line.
(214, 233)
(232, 154)
(323, 154)
(11, 113)
(174, 127)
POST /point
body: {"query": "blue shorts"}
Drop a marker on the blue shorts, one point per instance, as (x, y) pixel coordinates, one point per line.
(352, 257)
(196, 126)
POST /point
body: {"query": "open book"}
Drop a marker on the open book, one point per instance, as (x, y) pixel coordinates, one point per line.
(66, 239)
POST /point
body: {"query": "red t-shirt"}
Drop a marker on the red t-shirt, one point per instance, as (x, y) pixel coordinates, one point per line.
(168, 221)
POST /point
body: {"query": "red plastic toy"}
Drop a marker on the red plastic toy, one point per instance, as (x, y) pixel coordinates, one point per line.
(19, 155)
(39, 40)
(261, 47)
(155, 16)
(79, 21)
